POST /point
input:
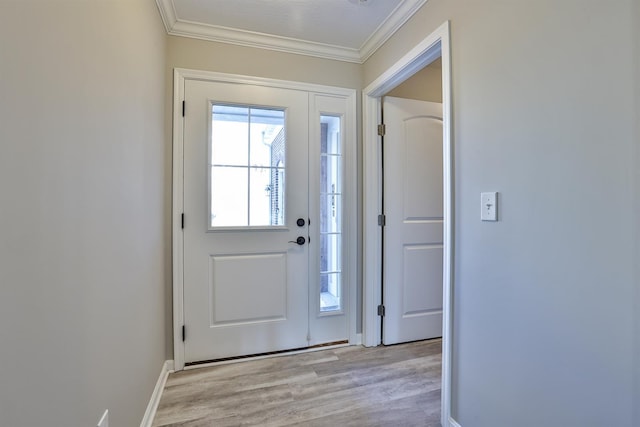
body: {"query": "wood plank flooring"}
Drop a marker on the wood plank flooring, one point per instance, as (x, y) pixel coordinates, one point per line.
(347, 387)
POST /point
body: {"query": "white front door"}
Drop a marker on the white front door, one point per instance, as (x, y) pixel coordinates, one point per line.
(263, 219)
(245, 283)
(413, 205)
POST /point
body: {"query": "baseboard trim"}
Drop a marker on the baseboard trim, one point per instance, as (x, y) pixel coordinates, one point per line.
(152, 407)
(453, 423)
(358, 340)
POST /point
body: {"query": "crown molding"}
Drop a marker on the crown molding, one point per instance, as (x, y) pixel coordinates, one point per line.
(196, 30)
(167, 13)
(397, 19)
(264, 41)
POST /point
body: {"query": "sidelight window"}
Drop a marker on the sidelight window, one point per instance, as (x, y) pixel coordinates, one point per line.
(330, 214)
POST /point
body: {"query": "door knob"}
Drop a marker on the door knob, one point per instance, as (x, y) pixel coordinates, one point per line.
(299, 241)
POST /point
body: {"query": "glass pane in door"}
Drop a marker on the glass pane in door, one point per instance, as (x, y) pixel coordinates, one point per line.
(247, 166)
(330, 214)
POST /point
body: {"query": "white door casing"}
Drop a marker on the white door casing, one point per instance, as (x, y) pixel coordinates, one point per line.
(436, 44)
(262, 254)
(412, 257)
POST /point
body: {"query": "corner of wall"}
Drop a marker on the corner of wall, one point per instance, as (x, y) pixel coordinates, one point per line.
(154, 401)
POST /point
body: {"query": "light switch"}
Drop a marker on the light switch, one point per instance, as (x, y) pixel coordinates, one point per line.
(489, 206)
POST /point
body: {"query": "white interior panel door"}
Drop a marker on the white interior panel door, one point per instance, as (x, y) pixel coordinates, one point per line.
(245, 187)
(413, 205)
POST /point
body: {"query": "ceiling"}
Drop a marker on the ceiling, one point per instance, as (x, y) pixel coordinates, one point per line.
(345, 30)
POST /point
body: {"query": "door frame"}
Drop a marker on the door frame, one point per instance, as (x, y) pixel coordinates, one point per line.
(435, 45)
(180, 75)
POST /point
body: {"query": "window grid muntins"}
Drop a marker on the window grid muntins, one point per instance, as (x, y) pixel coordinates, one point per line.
(247, 166)
(330, 215)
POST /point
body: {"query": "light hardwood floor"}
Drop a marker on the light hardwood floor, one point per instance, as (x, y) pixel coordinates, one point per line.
(351, 386)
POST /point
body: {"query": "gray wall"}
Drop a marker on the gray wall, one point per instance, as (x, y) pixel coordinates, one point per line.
(543, 112)
(83, 235)
(197, 54)
(425, 85)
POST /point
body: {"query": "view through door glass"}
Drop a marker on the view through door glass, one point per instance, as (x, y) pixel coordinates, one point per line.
(330, 214)
(247, 169)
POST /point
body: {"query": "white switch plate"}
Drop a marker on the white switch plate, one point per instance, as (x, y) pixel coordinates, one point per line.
(489, 206)
(104, 421)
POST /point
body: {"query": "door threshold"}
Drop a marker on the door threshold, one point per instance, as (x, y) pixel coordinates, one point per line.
(250, 357)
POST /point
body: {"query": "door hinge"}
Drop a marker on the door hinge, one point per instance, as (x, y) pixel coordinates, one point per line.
(183, 107)
(382, 220)
(381, 310)
(308, 336)
(182, 221)
(382, 129)
(184, 333)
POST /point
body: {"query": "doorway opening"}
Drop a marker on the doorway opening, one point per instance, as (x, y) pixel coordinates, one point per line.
(412, 209)
(434, 46)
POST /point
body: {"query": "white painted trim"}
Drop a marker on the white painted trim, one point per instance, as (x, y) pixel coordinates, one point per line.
(372, 235)
(352, 220)
(357, 340)
(448, 255)
(213, 33)
(152, 407)
(388, 28)
(434, 45)
(179, 27)
(180, 76)
(213, 76)
(453, 423)
(167, 13)
(178, 209)
(413, 61)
